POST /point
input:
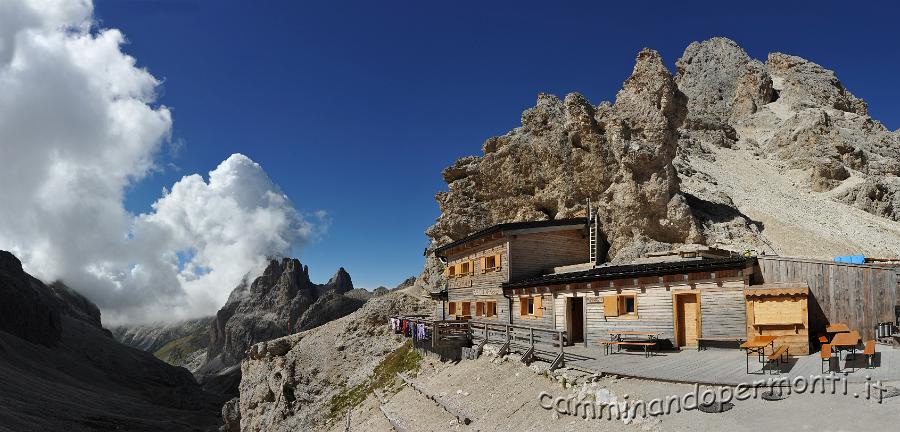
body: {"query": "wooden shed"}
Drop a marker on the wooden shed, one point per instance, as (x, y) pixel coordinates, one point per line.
(859, 295)
(780, 310)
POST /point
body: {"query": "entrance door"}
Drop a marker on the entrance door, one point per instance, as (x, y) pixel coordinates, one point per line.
(687, 319)
(575, 319)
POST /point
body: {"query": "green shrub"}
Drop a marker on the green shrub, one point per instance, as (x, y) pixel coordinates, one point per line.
(402, 360)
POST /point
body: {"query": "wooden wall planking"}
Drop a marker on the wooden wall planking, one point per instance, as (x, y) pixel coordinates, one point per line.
(535, 254)
(722, 311)
(860, 296)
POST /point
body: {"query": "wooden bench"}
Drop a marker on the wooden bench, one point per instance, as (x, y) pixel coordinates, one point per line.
(737, 339)
(780, 355)
(825, 356)
(869, 352)
(647, 346)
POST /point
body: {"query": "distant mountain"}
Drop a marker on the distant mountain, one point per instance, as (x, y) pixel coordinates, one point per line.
(60, 370)
(281, 301)
(182, 343)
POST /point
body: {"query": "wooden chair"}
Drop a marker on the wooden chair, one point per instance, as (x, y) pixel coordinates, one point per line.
(825, 355)
(869, 352)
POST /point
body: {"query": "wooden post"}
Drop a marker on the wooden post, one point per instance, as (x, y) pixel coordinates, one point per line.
(560, 342)
(532, 336)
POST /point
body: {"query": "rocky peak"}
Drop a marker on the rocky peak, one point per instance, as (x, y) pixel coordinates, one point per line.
(719, 79)
(340, 283)
(281, 301)
(802, 83)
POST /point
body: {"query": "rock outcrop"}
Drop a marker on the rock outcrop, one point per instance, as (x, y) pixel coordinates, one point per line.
(279, 302)
(62, 371)
(647, 162)
(295, 382)
(619, 156)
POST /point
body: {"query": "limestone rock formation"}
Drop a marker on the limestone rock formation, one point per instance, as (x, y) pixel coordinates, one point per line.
(279, 302)
(568, 151)
(62, 371)
(654, 162)
(293, 383)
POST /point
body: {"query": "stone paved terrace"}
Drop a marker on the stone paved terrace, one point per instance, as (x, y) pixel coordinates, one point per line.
(721, 366)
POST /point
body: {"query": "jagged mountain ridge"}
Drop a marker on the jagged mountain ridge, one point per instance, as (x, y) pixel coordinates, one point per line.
(652, 162)
(281, 301)
(62, 371)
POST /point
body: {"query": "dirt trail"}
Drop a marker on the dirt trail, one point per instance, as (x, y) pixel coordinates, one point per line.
(504, 397)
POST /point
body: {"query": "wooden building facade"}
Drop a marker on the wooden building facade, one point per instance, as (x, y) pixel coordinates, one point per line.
(683, 301)
(479, 265)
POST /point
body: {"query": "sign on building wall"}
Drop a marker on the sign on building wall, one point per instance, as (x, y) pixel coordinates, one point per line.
(487, 291)
(593, 300)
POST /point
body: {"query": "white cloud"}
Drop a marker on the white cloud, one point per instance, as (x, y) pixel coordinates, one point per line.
(79, 124)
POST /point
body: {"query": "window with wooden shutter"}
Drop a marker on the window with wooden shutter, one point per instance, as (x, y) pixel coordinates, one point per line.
(451, 271)
(538, 306)
(523, 306)
(466, 309)
(611, 306)
(492, 309)
(490, 263)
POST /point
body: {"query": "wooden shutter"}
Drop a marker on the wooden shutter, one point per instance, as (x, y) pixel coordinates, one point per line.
(497, 261)
(539, 306)
(471, 267)
(523, 306)
(483, 265)
(479, 308)
(492, 309)
(451, 308)
(611, 306)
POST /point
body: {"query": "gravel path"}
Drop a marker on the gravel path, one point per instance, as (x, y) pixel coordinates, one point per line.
(504, 397)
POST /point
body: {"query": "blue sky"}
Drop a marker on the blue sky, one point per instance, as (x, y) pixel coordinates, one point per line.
(355, 107)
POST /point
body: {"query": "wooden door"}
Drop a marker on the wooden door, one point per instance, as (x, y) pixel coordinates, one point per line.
(575, 321)
(687, 319)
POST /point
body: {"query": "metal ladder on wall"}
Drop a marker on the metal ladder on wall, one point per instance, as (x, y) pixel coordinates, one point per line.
(592, 232)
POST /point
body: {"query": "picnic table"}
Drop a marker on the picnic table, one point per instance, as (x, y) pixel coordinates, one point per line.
(837, 328)
(845, 342)
(644, 339)
(757, 345)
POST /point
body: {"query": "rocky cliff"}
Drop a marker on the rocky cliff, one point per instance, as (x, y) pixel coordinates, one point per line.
(669, 161)
(279, 302)
(307, 380)
(62, 371)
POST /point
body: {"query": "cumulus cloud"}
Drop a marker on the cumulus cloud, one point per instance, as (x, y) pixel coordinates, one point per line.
(79, 124)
